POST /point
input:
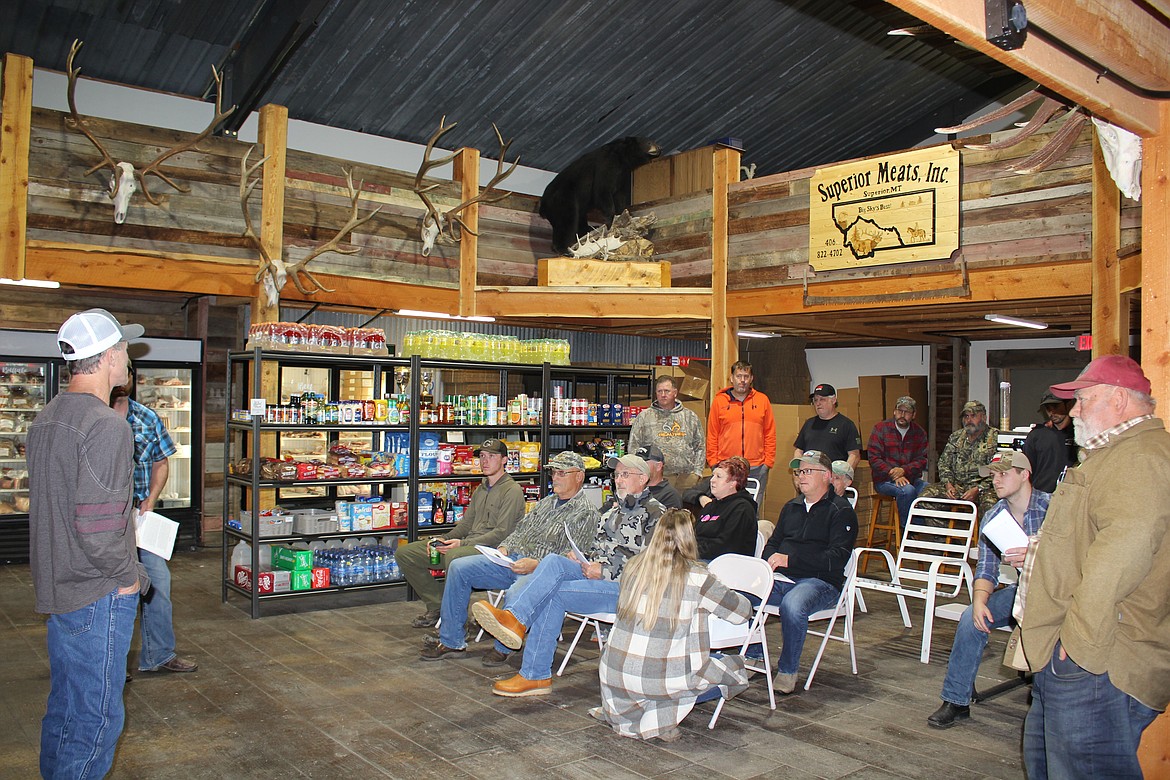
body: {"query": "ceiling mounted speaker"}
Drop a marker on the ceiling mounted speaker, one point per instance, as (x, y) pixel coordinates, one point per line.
(1005, 23)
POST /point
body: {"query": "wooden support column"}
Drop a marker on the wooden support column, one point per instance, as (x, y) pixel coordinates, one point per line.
(273, 138)
(16, 113)
(1108, 336)
(466, 172)
(1154, 752)
(724, 342)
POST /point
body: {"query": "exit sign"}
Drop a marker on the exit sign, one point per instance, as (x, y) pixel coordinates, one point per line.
(1085, 342)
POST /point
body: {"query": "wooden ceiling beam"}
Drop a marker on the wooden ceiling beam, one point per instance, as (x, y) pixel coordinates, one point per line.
(94, 266)
(839, 326)
(1057, 280)
(1046, 63)
(626, 303)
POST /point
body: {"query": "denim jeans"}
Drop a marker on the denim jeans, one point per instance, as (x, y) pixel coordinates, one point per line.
(87, 672)
(1081, 725)
(970, 642)
(464, 575)
(158, 630)
(796, 600)
(540, 603)
(760, 472)
(904, 496)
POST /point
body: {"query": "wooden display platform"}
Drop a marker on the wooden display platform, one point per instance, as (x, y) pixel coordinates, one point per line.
(575, 272)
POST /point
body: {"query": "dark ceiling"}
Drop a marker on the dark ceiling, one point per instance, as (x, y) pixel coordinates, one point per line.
(799, 82)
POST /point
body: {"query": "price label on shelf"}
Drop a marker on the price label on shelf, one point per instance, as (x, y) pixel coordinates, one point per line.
(257, 407)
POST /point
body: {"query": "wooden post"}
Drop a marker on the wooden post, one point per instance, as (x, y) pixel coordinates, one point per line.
(724, 341)
(1108, 337)
(1154, 753)
(466, 172)
(16, 112)
(273, 137)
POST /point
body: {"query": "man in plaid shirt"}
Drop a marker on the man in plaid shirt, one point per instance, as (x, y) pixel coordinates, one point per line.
(897, 456)
(152, 447)
(1011, 475)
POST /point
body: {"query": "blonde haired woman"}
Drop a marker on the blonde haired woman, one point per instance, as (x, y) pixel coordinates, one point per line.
(657, 663)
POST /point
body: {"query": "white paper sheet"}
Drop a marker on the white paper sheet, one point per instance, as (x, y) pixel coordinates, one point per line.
(580, 556)
(1002, 530)
(156, 533)
(495, 556)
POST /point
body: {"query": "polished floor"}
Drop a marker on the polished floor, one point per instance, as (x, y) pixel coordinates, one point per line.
(339, 693)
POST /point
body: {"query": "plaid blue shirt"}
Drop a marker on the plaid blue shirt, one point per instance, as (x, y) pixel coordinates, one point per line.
(988, 568)
(152, 443)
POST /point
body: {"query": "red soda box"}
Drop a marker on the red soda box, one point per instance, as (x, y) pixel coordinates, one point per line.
(320, 578)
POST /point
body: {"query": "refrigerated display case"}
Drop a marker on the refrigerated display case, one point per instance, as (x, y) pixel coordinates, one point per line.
(169, 381)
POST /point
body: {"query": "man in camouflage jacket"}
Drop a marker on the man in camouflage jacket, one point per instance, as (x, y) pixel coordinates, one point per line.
(967, 449)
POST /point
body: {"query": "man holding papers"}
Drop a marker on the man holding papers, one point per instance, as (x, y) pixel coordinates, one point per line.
(574, 582)
(544, 531)
(1003, 535)
(152, 448)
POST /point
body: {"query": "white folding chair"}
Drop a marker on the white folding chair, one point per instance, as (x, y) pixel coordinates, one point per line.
(587, 619)
(748, 575)
(932, 561)
(753, 488)
(842, 609)
(494, 597)
(761, 540)
(851, 496)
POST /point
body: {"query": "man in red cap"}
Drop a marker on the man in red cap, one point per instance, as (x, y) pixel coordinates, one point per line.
(1096, 619)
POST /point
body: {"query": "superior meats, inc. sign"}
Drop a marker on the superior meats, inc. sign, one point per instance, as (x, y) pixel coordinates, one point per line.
(894, 209)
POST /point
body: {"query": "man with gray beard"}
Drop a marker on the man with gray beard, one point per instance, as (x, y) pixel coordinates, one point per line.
(967, 449)
(1096, 620)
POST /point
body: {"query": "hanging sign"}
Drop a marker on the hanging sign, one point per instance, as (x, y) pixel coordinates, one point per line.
(895, 209)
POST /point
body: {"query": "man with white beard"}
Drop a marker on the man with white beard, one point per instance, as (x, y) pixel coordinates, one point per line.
(1096, 620)
(535, 612)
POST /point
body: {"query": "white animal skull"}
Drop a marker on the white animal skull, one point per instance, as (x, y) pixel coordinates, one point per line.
(123, 184)
(1123, 157)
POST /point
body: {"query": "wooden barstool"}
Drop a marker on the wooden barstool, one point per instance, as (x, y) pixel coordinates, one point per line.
(890, 539)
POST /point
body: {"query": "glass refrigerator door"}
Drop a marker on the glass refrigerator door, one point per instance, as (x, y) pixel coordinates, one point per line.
(22, 395)
(168, 392)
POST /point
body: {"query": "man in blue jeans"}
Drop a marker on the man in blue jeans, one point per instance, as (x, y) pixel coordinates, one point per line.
(812, 542)
(546, 530)
(1096, 620)
(82, 546)
(535, 611)
(1011, 475)
(152, 448)
(897, 456)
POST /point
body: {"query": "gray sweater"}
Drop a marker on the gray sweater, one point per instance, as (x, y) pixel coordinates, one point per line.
(82, 539)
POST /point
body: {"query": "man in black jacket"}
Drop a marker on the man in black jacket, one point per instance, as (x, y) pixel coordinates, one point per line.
(811, 544)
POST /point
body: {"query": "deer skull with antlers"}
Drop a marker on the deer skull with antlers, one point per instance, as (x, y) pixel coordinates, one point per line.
(124, 179)
(274, 270)
(447, 226)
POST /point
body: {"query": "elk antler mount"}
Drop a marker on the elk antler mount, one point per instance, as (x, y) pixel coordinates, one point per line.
(124, 179)
(274, 271)
(447, 226)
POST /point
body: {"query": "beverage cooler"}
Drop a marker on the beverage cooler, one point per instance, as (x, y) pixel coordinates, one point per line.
(169, 381)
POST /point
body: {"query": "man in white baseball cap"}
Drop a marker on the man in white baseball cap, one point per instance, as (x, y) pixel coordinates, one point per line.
(85, 567)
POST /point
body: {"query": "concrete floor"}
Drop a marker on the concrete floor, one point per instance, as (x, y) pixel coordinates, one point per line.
(340, 693)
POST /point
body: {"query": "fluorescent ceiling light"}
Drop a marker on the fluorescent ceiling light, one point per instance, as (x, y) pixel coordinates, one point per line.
(435, 315)
(751, 334)
(31, 283)
(1003, 319)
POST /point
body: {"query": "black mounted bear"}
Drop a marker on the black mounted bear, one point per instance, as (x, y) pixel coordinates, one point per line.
(600, 180)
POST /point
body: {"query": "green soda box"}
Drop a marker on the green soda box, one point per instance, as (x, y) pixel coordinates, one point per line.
(291, 560)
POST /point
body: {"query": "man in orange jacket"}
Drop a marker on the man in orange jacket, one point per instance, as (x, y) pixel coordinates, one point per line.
(741, 423)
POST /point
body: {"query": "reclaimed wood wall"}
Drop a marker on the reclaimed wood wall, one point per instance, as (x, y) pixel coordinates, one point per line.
(1005, 218)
